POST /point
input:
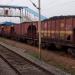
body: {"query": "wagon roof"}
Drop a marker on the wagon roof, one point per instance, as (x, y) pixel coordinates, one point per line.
(8, 23)
(60, 17)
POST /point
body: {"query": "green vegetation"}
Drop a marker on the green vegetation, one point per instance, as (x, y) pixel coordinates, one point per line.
(62, 67)
(57, 65)
(35, 55)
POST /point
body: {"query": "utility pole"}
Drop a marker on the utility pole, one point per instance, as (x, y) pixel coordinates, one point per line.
(39, 28)
(39, 24)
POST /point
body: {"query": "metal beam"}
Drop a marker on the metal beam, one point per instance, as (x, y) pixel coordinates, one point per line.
(9, 6)
(9, 16)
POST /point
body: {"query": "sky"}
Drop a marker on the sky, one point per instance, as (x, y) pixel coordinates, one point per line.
(49, 8)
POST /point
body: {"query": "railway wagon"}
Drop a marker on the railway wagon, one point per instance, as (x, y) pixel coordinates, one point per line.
(57, 31)
(53, 31)
(58, 28)
(26, 31)
(6, 30)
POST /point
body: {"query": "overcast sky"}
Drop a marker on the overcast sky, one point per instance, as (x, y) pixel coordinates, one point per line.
(49, 8)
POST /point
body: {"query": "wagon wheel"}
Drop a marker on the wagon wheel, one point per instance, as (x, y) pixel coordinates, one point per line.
(71, 51)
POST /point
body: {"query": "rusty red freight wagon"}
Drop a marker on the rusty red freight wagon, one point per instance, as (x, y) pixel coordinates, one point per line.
(54, 30)
(58, 31)
(6, 31)
(26, 30)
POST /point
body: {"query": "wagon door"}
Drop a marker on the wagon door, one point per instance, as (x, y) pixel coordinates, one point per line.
(31, 31)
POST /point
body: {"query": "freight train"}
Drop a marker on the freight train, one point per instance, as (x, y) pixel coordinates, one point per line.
(58, 31)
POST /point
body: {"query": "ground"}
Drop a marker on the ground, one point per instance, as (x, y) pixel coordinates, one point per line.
(62, 61)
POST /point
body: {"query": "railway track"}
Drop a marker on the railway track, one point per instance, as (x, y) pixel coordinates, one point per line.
(6, 69)
(19, 64)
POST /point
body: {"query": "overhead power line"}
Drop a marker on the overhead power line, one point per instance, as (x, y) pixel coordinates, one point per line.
(34, 4)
